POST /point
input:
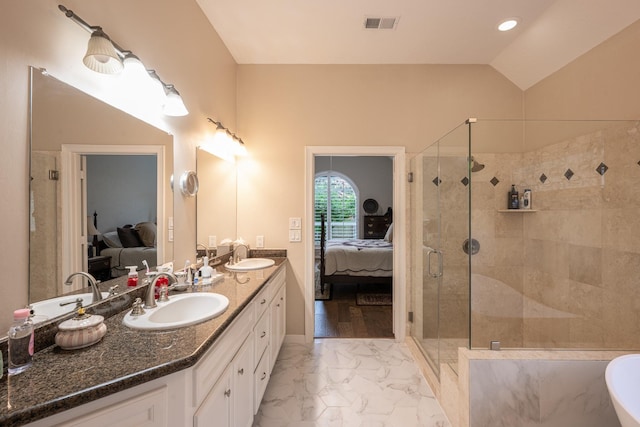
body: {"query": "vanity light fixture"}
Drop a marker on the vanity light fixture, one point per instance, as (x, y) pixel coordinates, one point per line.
(107, 57)
(233, 145)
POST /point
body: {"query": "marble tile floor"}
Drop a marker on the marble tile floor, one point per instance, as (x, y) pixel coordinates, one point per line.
(348, 382)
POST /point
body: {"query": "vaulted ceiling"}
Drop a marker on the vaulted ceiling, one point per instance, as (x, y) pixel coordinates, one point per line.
(550, 34)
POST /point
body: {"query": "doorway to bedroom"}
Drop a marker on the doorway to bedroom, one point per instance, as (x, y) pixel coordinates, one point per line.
(353, 246)
(352, 287)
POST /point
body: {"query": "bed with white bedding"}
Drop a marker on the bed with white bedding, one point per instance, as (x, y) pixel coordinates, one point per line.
(358, 261)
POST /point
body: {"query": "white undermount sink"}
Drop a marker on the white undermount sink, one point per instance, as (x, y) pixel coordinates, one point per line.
(179, 311)
(249, 264)
(623, 381)
(50, 308)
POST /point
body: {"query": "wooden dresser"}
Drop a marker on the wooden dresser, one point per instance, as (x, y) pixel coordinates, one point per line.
(375, 226)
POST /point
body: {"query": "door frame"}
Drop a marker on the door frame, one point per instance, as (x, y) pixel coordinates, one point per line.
(399, 288)
(73, 237)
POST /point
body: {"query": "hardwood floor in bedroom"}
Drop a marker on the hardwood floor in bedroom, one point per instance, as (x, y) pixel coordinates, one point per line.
(341, 317)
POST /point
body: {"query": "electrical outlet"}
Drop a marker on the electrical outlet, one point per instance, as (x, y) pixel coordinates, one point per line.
(259, 241)
(170, 235)
(170, 224)
(213, 241)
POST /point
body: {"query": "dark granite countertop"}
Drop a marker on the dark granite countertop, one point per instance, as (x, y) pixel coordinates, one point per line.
(60, 379)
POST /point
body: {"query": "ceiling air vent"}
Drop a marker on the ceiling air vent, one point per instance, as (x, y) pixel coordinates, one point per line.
(377, 23)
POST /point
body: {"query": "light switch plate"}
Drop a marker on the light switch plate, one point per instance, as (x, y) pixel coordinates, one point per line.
(213, 241)
(170, 226)
(259, 241)
(294, 236)
(295, 223)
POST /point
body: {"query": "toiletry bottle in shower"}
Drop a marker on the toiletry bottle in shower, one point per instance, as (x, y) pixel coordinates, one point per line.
(526, 199)
(21, 344)
(514, 202)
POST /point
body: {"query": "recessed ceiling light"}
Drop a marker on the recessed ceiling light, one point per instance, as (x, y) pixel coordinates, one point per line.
(508, 24)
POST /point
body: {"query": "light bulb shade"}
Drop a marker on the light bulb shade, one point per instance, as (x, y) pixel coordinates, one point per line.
(159, 96)
(239, 148)
(135, 67)
(174, 106)
(101, 56)
(91, 229)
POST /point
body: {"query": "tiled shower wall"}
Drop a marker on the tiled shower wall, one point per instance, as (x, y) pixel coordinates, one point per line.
(44, 223)
(564, 276)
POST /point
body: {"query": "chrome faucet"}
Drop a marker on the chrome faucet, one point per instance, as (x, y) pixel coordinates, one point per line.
(235, 256)
(93, 284)
(149, 296)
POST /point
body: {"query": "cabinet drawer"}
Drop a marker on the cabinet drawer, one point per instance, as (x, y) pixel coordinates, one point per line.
(148, 409)
(262, 333)
(261, 379)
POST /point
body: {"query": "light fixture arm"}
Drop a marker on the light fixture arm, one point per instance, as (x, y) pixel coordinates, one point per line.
(91, 28)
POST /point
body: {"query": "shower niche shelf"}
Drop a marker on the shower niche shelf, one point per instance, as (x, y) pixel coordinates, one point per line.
(517, 210)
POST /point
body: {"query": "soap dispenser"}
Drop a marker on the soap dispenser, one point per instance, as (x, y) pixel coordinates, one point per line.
(132, 277)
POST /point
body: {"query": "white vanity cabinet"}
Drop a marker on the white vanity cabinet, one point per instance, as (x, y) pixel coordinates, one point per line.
(230, 401)
(278, 309)
(224, 388)
(269, 332)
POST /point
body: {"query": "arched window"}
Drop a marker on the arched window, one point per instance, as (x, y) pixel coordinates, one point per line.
(337, 198)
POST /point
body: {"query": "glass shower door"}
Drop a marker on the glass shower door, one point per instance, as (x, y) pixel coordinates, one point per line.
(440, 200)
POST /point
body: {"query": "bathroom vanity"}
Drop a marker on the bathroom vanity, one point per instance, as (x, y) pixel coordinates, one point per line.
(212, 372)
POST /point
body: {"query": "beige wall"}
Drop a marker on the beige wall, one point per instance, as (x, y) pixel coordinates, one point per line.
(282, 109)
(35, 32)
(604, 83)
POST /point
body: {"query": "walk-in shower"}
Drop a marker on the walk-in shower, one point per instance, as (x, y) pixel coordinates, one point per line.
(561, 275)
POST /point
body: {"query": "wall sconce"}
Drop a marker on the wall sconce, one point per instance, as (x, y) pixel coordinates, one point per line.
(107, 57)
(224, 144)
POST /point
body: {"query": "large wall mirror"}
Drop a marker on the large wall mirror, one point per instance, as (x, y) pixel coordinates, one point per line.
(216, 200)
(100, 189)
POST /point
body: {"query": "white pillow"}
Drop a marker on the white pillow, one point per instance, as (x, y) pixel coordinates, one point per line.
(111, 239)
(389, 236)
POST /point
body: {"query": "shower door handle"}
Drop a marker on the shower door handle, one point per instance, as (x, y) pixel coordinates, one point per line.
(438, 273)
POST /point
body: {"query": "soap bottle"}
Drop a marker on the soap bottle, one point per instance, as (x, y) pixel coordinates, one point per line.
(514, 202)
(132, 277)
(526, 199)
(21, 339)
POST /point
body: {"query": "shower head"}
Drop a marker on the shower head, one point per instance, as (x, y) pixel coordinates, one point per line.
(475, 166)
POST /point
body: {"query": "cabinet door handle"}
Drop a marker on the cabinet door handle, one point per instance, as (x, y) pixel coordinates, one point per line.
(264, 375)
(263, 301)
(227, 392)
(264, 333)
(241, 371)
(278, 305)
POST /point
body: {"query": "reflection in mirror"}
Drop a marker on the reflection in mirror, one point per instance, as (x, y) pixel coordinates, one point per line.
(216, 200)
(74, 220)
